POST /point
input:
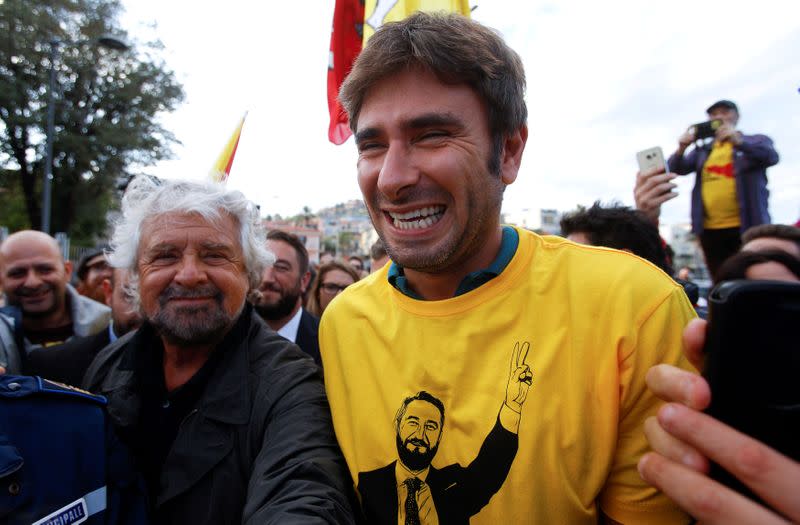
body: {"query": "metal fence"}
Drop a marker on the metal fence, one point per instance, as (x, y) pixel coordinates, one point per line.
(68, 251)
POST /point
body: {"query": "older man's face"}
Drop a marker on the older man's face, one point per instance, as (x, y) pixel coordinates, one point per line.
(192, 276)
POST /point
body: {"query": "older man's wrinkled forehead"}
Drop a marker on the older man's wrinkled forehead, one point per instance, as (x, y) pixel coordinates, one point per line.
(172, 224)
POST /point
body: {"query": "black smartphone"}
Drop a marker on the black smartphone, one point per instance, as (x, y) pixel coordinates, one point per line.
(753, 364)
(704, 130)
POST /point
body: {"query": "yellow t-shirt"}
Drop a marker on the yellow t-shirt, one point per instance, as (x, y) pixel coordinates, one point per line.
(540, 373)
(719, 189)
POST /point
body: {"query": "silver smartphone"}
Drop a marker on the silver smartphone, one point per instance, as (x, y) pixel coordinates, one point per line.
(651, 158)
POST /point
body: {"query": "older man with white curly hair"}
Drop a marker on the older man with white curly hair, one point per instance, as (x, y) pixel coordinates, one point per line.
(227, 420)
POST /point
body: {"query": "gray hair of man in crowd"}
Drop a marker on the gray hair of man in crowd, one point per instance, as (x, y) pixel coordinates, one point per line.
(148, 197)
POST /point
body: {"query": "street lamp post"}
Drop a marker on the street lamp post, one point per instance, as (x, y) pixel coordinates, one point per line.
(108, 41)
(50, 133)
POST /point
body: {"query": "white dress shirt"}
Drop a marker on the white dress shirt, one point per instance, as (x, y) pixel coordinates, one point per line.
(289, 330)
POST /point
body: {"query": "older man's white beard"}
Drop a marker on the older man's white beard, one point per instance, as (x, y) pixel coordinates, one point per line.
(192, 325)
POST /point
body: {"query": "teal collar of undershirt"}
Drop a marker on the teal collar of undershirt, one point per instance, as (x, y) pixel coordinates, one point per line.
(508, 247)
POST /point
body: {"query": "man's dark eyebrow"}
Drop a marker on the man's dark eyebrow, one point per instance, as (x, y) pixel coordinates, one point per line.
(17, 267)
(366, 134)
(429, 120)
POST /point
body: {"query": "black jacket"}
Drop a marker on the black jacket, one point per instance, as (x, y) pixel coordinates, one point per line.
(308, 336)
(67, 362)
(259, 445)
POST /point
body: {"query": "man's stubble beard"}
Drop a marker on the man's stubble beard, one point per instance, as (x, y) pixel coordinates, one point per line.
(447, 255)
(16, 300)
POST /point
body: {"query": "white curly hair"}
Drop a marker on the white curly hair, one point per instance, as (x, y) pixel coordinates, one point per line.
(148, 197)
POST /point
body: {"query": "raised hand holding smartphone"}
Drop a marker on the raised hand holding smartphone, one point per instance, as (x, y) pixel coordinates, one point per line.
(654, 184)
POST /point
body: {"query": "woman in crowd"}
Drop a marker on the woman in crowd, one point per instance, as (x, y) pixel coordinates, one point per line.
(332, 278)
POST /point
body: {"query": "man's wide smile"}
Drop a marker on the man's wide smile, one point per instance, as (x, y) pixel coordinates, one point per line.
(417, 219)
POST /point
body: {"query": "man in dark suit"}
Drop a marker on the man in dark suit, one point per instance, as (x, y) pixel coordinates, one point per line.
(68, 362)
(414, 492)
(279, 300)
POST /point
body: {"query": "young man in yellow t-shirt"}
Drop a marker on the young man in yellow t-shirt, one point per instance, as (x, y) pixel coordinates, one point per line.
(485, 375)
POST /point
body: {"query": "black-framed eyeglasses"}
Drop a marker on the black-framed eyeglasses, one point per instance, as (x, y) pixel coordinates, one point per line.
(332, 288)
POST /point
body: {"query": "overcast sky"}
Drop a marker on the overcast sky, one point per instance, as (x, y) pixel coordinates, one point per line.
(605, 80)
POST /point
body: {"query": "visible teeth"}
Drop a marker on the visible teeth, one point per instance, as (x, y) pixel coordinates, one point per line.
(423, 212)
(422, 218)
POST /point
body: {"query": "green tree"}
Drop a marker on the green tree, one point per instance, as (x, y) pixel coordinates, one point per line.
(348, 243)
(303, 219)
(108, 105)
(329, 244)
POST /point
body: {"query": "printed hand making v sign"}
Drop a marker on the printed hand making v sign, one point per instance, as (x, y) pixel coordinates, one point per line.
(520, 377)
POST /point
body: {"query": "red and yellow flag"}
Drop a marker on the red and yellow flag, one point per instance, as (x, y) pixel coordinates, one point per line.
(222, 168)
(354, 22)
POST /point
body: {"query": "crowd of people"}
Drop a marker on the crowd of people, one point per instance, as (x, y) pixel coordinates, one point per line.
(481, 373)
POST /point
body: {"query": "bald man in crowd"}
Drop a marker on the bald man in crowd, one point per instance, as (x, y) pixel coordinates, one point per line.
(35, 280)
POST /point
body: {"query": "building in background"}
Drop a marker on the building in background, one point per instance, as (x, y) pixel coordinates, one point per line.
(545, 221)
(687, 252)
(347, 229)
(308, 233)
(550, 220)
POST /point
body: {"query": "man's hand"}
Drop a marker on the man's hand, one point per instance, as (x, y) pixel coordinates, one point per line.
(519, 377)
(686, 139)
(729, 133)
(683, 438)
(652, 189)
(2, 370)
